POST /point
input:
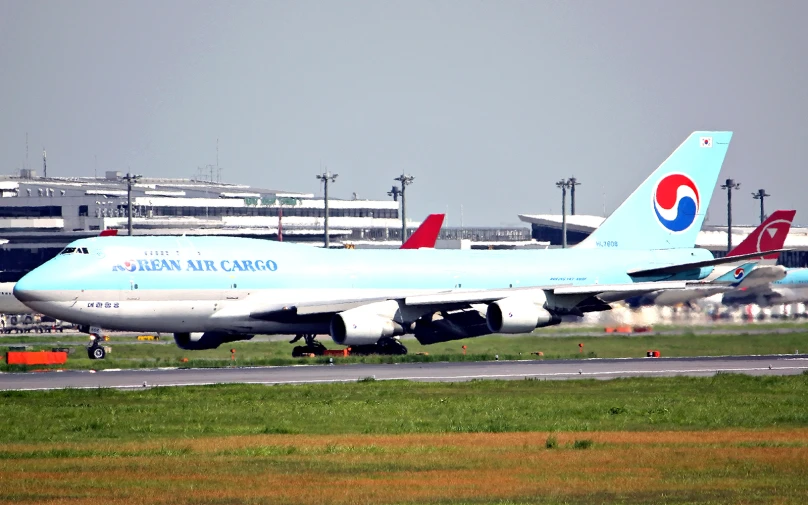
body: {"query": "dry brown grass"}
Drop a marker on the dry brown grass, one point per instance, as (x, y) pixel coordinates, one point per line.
(767, 466)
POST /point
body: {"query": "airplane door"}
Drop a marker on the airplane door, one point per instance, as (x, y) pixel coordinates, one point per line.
(221, 289)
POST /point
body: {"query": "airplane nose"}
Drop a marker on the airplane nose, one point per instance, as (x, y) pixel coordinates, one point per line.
(22, 290)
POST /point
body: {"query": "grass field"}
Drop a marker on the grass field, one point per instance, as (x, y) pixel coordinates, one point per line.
(610, 467)
(127, 354)
(726, 439)
(399, 407)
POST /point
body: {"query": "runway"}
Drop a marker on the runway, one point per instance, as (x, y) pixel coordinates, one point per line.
(428, 372)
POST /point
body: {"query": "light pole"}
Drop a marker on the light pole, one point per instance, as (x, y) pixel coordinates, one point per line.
(405, 181)
(760, 195)
(563, 185)
(326, 177)
(572, 182)
(130, 180)
(729, 186)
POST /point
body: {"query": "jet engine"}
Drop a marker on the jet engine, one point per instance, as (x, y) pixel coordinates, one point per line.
(517, 314)
(206, 340)
(367, 324)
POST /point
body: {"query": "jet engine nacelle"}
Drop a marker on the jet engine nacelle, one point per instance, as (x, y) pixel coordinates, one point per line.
(366, 324)
(519, 315)
(206, 340)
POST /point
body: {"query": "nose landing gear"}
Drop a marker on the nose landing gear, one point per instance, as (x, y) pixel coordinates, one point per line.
(94, 350)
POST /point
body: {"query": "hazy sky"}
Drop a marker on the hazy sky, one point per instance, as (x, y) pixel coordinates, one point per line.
(486, 103)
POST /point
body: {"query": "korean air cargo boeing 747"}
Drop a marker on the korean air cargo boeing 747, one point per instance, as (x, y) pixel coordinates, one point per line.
(212, 290)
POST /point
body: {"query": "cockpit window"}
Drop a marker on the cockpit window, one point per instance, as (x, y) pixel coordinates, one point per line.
(75, 250)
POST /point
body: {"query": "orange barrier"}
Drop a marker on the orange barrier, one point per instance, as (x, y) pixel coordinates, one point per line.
(337, 352)
(621, 329)
(36, 358)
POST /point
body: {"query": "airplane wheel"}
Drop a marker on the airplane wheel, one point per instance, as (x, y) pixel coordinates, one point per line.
(302, 350)
(96, 352)
(391, 346)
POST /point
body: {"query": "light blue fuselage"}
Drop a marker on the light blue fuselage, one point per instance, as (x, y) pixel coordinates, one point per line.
(177, 284)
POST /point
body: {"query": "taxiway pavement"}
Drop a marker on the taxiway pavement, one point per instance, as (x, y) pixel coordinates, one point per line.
(432, 372)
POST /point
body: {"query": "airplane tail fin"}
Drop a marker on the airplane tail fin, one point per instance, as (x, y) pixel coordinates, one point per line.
(427, 234)
(770, 235)
(668, 209)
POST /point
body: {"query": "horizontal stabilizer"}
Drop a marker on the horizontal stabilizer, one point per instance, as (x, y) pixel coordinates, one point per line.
(686, 267)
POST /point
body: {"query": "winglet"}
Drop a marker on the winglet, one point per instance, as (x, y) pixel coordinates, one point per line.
(427, 234)
(770, 235)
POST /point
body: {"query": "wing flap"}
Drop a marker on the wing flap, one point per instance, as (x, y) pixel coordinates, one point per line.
(631, 287)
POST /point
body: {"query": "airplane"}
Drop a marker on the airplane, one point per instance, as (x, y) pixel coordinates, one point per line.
(208, 291)
(770, 234)
(792, 288)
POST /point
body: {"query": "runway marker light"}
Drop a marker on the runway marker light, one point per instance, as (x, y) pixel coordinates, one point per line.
(232, 354)
(464, 350)
(496, 357)
(581, 347)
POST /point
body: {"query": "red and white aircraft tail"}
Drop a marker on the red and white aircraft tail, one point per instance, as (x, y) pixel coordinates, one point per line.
(770, 235)
(427, 234)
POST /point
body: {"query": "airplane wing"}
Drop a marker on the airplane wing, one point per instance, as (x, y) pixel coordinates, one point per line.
(427, 234)
(685, 267)
(566, 297)
(551, 302)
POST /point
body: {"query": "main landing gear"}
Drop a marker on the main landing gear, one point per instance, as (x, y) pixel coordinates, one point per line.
(312, 345)
(386, 346)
